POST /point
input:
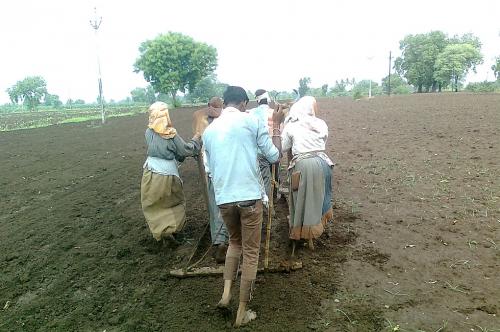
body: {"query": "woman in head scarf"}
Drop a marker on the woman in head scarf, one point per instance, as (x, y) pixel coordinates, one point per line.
(162, 197)
(310, 171)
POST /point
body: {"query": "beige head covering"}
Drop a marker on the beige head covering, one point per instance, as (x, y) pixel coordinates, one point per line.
(159, 120)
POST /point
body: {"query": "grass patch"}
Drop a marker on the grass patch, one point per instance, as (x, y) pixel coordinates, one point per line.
(33, 120)
(349, 312)
(96, 117)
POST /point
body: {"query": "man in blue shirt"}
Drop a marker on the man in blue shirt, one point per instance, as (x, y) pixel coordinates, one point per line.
(232, 142)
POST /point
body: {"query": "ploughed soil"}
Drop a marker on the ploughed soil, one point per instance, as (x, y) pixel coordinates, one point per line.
(414, 246)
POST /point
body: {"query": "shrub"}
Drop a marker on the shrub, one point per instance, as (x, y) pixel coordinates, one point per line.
(484, 86)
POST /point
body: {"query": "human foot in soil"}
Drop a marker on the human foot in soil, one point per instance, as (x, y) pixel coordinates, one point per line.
(243, 317)
(311, 244)
(294, 245)
(226, 295)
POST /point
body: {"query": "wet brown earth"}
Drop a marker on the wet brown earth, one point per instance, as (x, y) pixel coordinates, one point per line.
(415, 244)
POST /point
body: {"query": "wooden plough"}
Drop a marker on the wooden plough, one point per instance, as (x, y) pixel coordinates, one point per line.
(211, 271)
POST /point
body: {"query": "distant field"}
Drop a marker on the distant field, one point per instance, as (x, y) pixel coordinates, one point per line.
(43, 118)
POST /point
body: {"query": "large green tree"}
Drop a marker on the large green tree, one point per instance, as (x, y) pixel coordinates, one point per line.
(419, 53)
(29, 91)
(174, 62)
(453, 64)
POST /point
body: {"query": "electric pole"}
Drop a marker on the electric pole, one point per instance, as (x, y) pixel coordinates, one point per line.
(95, 24)
(370, 58)
(390, 66)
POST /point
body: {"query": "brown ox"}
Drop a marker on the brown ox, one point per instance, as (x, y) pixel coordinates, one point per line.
(202, 117)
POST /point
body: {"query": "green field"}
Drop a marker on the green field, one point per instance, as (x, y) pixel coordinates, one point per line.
(43, 118)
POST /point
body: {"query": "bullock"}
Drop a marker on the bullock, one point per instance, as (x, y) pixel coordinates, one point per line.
(203, 117)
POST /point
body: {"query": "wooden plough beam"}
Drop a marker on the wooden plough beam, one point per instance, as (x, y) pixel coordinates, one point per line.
(211, 271)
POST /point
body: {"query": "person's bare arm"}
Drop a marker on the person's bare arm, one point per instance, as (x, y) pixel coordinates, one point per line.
(186, 149)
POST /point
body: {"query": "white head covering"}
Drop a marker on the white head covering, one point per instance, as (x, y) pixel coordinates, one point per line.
(304, 113)
(304, 107)
(265, 95)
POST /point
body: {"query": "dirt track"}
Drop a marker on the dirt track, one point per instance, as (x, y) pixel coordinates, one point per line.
(415, 241)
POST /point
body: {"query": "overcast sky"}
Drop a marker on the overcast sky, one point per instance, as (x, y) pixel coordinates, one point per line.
(260, 44)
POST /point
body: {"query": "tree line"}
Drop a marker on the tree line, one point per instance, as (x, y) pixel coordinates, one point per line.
(433, 61)
(173, 63)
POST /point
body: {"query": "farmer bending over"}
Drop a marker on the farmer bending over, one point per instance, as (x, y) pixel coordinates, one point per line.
(232, 142)
(310, 171)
